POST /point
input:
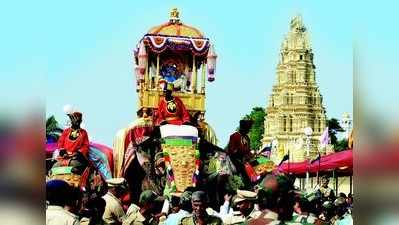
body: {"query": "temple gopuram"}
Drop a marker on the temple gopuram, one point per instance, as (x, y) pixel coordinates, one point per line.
(295, 102)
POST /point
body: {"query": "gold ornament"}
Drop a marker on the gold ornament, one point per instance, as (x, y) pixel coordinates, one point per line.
(171, 106)
(174, 13)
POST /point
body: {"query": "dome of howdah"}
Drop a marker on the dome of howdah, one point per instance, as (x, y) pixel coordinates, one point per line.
(175, 28)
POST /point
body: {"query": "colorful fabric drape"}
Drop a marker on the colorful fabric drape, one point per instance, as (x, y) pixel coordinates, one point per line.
(126, 142)
(100, 155)
(160, 43)
(181, 155)
(119, 151)
(140, 131)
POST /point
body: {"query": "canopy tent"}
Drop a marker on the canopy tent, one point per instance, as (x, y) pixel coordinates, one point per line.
(340, 162)
(100, 155)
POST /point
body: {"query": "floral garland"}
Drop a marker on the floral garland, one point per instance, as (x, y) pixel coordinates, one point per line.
(158, 44)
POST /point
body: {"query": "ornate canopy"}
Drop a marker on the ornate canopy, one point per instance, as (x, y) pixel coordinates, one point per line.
(175, 53)
(175, 28)
(175, 36)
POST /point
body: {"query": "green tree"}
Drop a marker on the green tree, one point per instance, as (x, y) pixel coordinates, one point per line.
(53, 130)
(341, 145)
(333, 128)
(255, 134)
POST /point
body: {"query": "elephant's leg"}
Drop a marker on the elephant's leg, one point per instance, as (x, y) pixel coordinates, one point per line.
(134, 176)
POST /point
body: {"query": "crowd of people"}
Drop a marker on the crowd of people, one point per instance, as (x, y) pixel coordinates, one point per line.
(274, 200)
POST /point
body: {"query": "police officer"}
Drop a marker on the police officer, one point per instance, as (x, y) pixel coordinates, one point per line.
(145, 212)
(276, 201)
(199, 215)
(58, 192)
(244, 202)
(114, 213)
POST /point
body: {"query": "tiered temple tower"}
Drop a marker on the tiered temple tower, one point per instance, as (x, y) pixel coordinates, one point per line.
(295, 102)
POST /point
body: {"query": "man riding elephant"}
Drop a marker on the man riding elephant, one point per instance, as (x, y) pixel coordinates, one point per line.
(239, 149)
(171, 109)
(73, 145)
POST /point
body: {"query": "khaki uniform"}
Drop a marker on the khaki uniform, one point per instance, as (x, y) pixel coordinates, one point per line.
(133, 216)
(210, 220)
(56, 215)
(238, 218)
(235, 218)
(265, 217)
(113, 213)
(268, 217)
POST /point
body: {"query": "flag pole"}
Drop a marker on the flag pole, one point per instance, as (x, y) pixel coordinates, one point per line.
(288, 161)
(324, 141)
(318, 168)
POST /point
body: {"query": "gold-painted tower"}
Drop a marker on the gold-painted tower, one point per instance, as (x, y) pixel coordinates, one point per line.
(295, 102)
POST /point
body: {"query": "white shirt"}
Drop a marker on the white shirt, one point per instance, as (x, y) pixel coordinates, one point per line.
(174, 218)
(225, 209)
(113, 209)
(57, 215)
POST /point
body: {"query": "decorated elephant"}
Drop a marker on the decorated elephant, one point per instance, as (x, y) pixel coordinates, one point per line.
(92, 180)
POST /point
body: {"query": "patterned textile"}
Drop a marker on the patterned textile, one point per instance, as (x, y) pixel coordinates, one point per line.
(119, 151)
(100, 155)
(140, 131)
(126, 142)
(101, 160)
(65, 173)
(181, 155)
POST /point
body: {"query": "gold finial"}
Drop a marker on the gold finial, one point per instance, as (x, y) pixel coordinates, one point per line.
(174, 16)
(297, 24)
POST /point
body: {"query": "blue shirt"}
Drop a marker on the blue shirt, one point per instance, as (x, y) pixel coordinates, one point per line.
(174, 218)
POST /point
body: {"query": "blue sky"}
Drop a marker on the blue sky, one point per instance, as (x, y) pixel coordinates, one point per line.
(82, 52)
